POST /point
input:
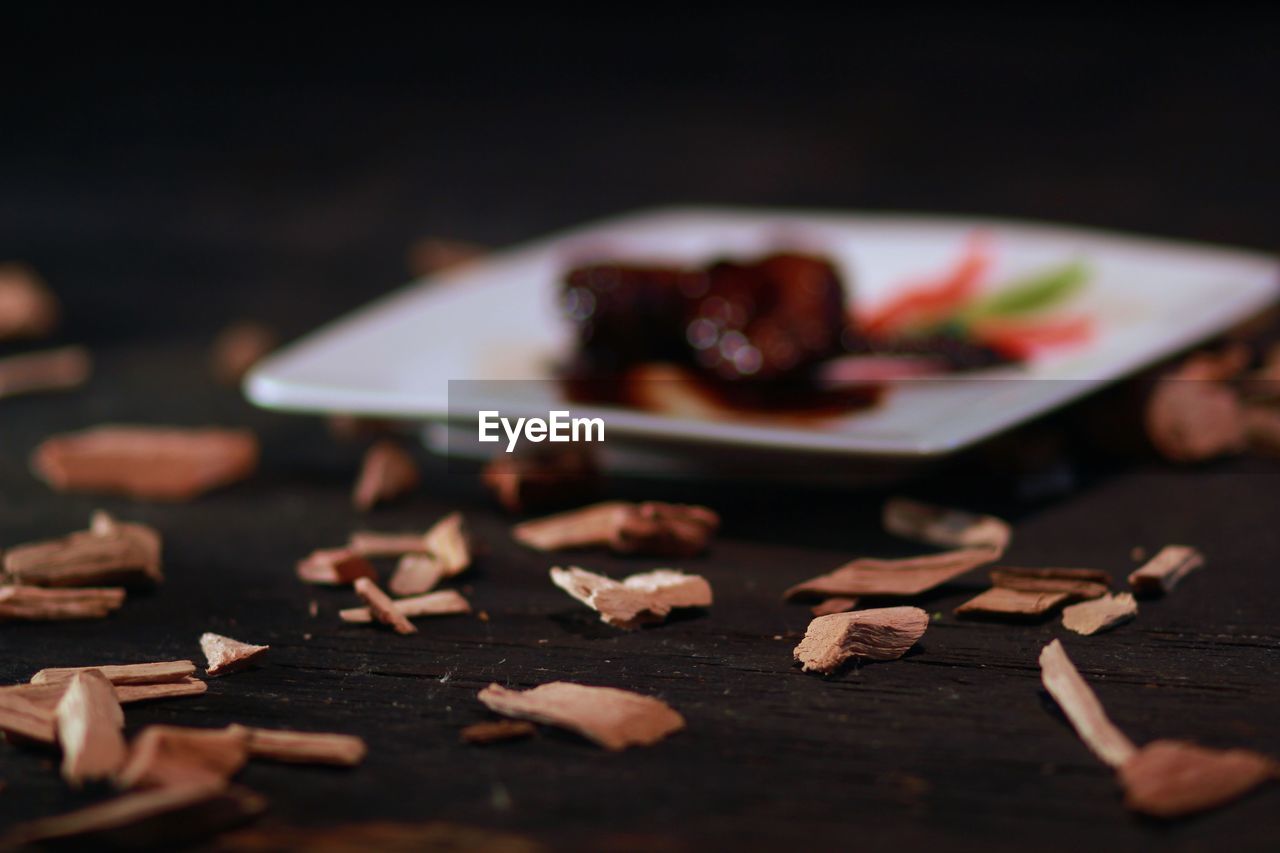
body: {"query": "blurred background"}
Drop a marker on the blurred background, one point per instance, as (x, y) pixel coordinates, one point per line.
(171, 171)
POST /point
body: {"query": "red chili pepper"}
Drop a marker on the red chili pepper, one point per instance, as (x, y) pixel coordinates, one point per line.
(1024, 339)
(928, 303)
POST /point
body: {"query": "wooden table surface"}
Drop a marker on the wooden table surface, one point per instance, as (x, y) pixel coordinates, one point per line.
(167, 187)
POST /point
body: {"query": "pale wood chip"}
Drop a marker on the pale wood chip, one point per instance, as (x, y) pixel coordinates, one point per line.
(498, 730)
(61, 369)
(636, 600)
(109, 552)
(28, 309)
(387, 472)
(89, 723)
(161, 756)
(37, 604)
(369, 543)
(146, 462)
(129, 673)
(1076, 583)
(1100, 614)
(416, 574)
(652, 528)
(227, 655)
(238, 347)
(523, 482)
(908, 576)
(144, 819)
(1082, 707)
(444, 602)
(335, 567)
(21, 715)
(303, 747)
(944, 527)
(834, 604)
(1165, 570)
(382, 608)
(614, 719)
(1012, 603)
(1170, 778)
(884, 633)
(450, 543)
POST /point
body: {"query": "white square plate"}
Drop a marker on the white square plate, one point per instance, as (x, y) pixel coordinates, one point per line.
(498, 319)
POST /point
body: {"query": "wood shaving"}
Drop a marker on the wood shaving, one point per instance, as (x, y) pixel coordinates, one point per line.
(944, 527)
(498, 730)
(368, 543)
(21, 716)
(524, 482)
(1076, 583)
(835, 604)
(381, 608)
(145, 462)
(28, 309)
(636, 600)
(445, 602)
(163, 756)
(129, 673)
(167, 690)
(1165, 570)
(1170, 778)
(1082, 708)
(650, 528)
(1001, 601)
(227, 655)
(36, 604)
(614, 719)
(1100, 614)
(109, 552)
(303, 747)
(387, 472)
(335, 567)
(908, 576)
(238, 347)
(450, 543)
(60, 369)
(416, 574)
(884, 633)
(89, 723)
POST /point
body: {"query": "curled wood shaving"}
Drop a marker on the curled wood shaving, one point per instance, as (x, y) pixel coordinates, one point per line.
(614, 719)
(835, 604)
(908, 576)
(303, 747)
(129, 673)
(445, 602)
(1165, 570)
(36, 604)
(145, 462)
(498, 730)
(382, 608)
(335, 566)
(1169, 778)
(238, 348)
(51, 370)
(227, 655)
(946, 528)
(162, 756)
(109, 552)
(1002, 601)
(884, 633)
(89, 721)
(1100, 614)
(652, 528)
(636, 600)
(28, 309)
(1082, 707)
(388, 472)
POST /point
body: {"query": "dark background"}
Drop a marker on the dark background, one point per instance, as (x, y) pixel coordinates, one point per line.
(169, 172)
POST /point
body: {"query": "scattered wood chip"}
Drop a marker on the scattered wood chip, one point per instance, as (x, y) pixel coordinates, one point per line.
(1014, 603)
(651, 528)
(28, 309)
(144, 819)
(834, 604)
(944, 527)
(303, 747)
(227, 655)
(435, 254)
(129, 673)
(1100, 614)
(37, 604)
(524, 482)
(165, 690)
(368, 543)
(1076, 583)
(145, 462)
(162, 756)
(89, 723)
(335, 566)
(1082, 708)
(638, 599)
(498, 730)
(387, 472)
(382, 608)
(908, 576)
(21, 716)
(444, 602)
(1170, 778)
(416, 574)
(884, 633)
(1165, 570)
(614, 719)
(61, 369)
(450, 542)
(109, 552)
(238, 347)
